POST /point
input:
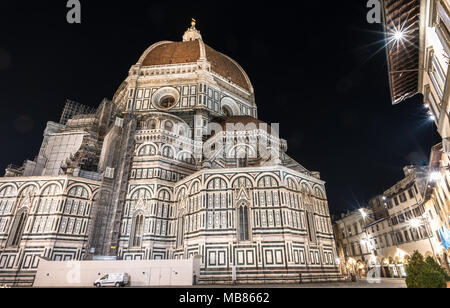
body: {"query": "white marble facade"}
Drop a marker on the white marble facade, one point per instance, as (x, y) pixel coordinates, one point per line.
(176, 165)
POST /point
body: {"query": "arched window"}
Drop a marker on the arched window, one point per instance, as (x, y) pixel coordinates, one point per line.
(291, 196)
(267, 182)
(319, 193)
(51, 190)
(164, 195)
(243, 223)
(242, 181)
(138, 228)
(7, 198)
(141, 193)
(79, 192)
(242, 153)
(25, 201)
(186, 157)
(78, 203)
(306, 189)
(168, 152)
(8, 191)
(48, 204)
(147, 150)
(15, 235)
(151, 124)
(217, 198)
(319, 201)
(168, 126)
(181, 195)
(291, 184)
(217, 184)
(269, 195)
(195, 188)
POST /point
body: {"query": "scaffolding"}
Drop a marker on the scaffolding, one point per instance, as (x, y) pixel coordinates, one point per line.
(72, 109)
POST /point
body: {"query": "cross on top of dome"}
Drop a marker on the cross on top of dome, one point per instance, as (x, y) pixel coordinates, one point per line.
(192, 33)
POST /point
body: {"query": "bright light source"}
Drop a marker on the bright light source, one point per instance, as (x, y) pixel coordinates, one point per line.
(399, 35)
(363, 214)
(415, 223)
(435, 176)
(384, 198)
(432, 118)
(400, 253)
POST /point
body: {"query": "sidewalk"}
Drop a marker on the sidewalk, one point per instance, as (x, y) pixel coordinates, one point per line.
(361, 283)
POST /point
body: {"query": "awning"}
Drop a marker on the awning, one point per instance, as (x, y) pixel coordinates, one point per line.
(445, 237)
(403, 54)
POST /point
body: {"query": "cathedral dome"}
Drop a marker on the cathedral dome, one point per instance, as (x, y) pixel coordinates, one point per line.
(191, 50)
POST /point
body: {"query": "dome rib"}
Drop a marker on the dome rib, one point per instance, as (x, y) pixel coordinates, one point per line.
(224, 66)
(148, 50)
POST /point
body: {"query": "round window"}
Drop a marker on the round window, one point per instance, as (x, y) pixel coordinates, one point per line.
(166, 98)
(226, 111)
(167, 102)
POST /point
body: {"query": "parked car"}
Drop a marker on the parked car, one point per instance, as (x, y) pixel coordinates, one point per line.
(113, 280)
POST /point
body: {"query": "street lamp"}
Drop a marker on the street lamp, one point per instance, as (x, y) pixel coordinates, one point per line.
(415, 223)
(435, 176)
(423, 221)
(370, 248)
(367, 243)
(363, 214)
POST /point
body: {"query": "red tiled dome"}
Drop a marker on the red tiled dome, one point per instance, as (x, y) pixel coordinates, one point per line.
(164, 53)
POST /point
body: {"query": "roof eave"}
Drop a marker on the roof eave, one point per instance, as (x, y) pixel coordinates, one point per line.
(407, 55)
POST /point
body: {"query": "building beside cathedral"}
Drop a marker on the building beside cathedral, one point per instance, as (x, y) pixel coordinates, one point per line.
(418, 51)
(177, 164)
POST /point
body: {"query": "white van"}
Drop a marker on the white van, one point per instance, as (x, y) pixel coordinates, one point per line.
(113, 280)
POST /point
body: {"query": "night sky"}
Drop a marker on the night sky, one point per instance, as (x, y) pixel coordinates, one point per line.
(314, 68)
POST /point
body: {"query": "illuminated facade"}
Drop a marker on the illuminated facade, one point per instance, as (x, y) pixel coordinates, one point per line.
(176, 165)
(438, 202)
(409, 226)
(387, 242)
(434, 58)
(418, 62)
(351, 241)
